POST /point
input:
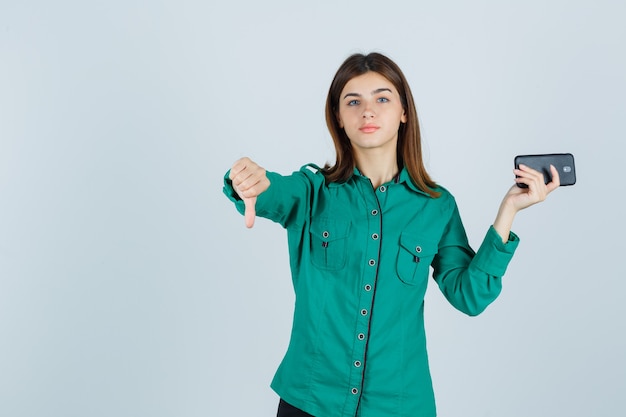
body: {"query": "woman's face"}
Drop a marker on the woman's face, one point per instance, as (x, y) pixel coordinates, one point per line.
(370, 112)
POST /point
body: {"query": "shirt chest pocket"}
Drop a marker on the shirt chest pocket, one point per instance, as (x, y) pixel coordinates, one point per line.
(329, 243)
(414, 258)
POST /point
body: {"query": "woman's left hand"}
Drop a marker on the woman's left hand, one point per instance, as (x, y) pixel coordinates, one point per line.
(537, 190)
(518, 198)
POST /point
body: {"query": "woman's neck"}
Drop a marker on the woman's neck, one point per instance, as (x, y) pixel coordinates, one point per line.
(378, 170)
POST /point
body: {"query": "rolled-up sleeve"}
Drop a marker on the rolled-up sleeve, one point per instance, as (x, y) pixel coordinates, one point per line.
(286, 201)
(232, 195)
(470, 280)
(493, 256)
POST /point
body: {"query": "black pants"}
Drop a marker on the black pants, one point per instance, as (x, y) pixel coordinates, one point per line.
(287, 410)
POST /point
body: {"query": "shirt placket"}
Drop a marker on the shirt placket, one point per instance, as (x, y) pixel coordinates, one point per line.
(367, 296)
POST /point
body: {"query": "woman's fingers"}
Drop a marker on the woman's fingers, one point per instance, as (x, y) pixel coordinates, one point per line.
(529, 176)
(248, 178)
(241, 170)
(537, 190)
(249, 181)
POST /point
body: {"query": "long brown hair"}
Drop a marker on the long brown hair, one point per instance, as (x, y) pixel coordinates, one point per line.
(409, 149)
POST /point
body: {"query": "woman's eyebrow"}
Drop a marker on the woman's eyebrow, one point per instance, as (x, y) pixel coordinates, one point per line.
(378, 90)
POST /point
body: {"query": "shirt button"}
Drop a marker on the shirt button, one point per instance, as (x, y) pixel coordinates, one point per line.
(368, 287)
(357, 364)
(325, 234)
(355, 391)
(375, 236)
(382, 188)
(372, 262)
(418, 249)
(361, 336)
(374, 212)
(364, 312)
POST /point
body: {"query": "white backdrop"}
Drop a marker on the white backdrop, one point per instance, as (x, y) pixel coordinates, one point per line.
(129, 285)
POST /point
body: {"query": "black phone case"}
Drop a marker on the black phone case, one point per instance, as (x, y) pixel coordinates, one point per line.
(563, 162)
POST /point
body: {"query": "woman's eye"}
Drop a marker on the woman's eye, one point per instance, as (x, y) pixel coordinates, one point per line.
(353, 102)
(383, 99)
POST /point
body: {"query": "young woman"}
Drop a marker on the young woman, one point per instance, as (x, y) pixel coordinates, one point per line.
(362, 236)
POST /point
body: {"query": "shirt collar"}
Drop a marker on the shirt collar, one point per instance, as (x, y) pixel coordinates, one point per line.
(402, 177)
(405, 178)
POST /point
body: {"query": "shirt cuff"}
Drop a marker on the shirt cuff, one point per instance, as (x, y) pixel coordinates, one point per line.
(494, 256)
(232, 195)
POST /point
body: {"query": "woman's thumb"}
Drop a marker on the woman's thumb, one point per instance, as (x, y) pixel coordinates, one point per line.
(250, 212)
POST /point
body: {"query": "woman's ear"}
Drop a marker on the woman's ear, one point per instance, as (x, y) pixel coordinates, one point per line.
(339, 121)
(403, 118)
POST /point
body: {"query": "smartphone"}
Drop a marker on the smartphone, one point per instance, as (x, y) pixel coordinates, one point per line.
(563, 162)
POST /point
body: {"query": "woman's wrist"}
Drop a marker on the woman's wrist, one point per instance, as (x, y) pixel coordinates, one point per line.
(504, 220)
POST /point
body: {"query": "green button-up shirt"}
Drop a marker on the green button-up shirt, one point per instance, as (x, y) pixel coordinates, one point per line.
(360, 259)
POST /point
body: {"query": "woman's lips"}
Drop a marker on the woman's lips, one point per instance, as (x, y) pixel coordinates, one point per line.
(369, 128)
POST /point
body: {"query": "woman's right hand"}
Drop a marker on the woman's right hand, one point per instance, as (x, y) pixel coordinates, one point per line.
(249, 181)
